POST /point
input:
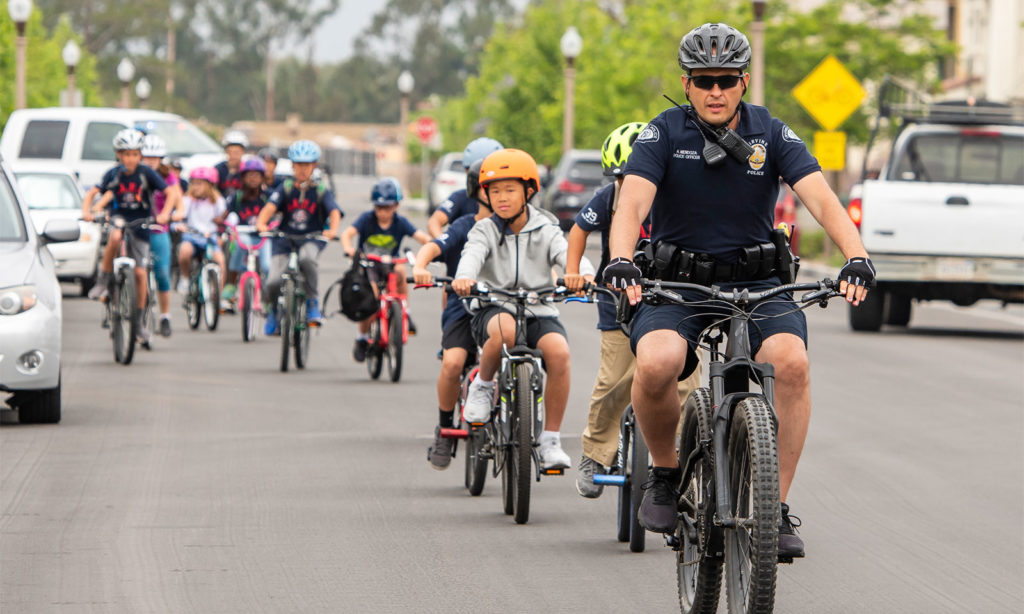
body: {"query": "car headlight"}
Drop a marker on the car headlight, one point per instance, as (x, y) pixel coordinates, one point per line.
(17, 299)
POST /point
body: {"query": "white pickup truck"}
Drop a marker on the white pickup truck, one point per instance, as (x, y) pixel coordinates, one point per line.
(944, 220)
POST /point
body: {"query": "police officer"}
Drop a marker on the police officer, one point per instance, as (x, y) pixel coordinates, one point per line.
(708, 174)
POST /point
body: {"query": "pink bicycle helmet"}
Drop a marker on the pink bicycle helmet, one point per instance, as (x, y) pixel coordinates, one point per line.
(207, 173)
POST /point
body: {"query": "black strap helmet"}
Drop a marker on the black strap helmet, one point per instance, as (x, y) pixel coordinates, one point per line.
(714, 45)
(473, 183)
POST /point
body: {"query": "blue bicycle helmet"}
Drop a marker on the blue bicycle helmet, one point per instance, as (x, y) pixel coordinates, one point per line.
(478, 149)
(386, 191)
(304, 151)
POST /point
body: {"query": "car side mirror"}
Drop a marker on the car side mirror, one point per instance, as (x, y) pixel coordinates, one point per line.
(60, 231)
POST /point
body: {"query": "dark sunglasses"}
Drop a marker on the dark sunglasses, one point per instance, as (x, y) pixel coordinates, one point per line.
(725, 82)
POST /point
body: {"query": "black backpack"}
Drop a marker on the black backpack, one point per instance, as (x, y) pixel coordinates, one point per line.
(358, 299)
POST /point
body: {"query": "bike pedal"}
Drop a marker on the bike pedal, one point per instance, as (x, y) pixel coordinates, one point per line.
(454, 433)
(609, 480)
(786, 560)
(315, 324)
(558, 471)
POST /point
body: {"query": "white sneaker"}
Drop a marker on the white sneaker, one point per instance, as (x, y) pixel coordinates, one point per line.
(182, 286)
(479, 401)
(552, 456)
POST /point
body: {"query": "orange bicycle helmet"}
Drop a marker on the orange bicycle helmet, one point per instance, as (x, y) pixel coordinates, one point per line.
(510, 164)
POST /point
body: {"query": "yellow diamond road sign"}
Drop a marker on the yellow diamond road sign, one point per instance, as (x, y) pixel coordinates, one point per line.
(829, 93)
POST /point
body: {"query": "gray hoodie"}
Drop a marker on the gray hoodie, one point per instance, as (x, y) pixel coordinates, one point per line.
(523, 260)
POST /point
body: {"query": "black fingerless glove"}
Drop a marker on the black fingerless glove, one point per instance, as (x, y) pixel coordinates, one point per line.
(859, 272)
(621, 273)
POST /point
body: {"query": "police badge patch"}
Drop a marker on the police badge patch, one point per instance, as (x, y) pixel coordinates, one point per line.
(650, 134)
(789, 135)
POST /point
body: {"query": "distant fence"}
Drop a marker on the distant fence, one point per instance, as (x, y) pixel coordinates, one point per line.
(351, 161)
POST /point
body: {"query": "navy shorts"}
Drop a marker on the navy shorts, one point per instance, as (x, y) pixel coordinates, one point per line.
(535, 327)
(459, 334)
(777, 315)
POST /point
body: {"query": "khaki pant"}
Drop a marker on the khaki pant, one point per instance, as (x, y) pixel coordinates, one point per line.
(611, 395)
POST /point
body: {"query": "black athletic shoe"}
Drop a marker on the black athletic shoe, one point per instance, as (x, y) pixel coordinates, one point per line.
(658, 509)
(790, 544)
(359, 350)
(440, 454)
(165, 327)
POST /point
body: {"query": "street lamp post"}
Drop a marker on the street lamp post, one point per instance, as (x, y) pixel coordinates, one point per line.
(757, 57)
(405, 85)
(142, 91)
(125, 73)
(572, 45)
(71, 55)
(20, 11)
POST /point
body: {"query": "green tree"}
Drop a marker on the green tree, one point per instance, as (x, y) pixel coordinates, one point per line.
(45, 72)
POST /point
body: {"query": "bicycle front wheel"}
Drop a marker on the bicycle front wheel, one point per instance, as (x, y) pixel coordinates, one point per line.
(211, 302)
(374, 360)
(287, 313)
(249, 310)
(521, 459)
(625, 504)
(698, 560)
(301, 339)
(124, 325)
(639, 466)
(395, 341)
(752, 547)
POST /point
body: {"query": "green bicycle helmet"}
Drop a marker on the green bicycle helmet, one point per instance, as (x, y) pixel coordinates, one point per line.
(618, 146)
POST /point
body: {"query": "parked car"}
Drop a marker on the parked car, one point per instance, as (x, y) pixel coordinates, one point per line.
(573, 182)
(80, 138)
(53, 194)
(448, 176)
(30, 307)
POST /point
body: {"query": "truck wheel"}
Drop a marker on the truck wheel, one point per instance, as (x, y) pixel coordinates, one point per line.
(897, 309)
(868, 315)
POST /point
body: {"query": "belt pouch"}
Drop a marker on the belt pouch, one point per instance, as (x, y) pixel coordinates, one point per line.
(786, 264)
(749, 263)
(767, 264)
(663, 255)
(684, 269)
(703, 269)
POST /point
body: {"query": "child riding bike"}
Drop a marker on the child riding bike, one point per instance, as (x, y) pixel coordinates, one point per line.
(381, 232)
(516, 248)
(615, 375)
(462, 202)
(229, 175)
(204, 212)
(244, 208)
(130, 186)
(457, 344)
(306, 206)
(166, 210)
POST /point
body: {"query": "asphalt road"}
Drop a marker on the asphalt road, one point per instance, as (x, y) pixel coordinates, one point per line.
(201, 479)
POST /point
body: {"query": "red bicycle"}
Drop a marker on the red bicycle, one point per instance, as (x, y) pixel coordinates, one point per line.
(389, 327)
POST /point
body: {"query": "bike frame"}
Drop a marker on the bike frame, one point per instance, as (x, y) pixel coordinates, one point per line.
(388, 291)
(251, 270)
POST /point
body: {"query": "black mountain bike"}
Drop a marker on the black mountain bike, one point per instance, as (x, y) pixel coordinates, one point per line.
(291, 304)
(729, 500)
(121, 308)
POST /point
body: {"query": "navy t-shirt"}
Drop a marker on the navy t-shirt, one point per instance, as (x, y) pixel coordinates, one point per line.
(227, 181)
(716, 210)
(376, 240)
(247, 210)
(451, 242)
(301, 211)
(133, 195)
(459, 204)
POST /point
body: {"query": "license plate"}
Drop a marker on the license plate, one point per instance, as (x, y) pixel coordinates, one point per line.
(955, 268)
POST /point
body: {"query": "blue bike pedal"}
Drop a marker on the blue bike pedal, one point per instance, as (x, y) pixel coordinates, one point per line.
(609, 480)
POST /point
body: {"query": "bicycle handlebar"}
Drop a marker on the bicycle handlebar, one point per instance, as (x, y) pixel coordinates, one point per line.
(819, 291)
(118, 222)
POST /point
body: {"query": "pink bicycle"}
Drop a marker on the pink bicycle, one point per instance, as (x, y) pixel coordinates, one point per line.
(250, 301)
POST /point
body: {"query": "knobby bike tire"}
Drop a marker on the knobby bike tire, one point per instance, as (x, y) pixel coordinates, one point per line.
(394, 341)
(374, 360)
(625, 504)
(287, 313)
(192, 306)
(476, 463)
(248, 312)
(698, 572)
(211, 302)
(522, 441)
(127, 310)
(301, 340)
(751, 553)
(639, 466)
(503, 448)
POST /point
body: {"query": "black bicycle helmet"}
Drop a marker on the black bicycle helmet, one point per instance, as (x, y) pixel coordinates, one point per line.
(473, 183)
(714, 45)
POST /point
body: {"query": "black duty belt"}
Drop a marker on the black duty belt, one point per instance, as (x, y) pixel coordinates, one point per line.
(671, 263)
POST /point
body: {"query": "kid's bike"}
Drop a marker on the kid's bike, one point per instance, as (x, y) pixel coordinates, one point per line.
(250, 294)
(121, 307)
(291, 304)
(203, 297)
(389, 327)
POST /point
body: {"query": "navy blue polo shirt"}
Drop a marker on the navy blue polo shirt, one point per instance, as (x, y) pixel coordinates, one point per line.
(133, 192)
(458, 204)
(451, 242)
(376, 240)
(302, 211)
(247, 210)
(716, 210)
(227, 181)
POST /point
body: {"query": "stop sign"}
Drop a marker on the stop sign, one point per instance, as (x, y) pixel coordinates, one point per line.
(426, 128)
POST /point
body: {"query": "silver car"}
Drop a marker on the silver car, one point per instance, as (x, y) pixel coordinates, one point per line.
(30, 307)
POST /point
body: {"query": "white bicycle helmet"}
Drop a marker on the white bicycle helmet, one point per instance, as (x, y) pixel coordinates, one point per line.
(128, 139)
(235, 137)
(153, 146)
